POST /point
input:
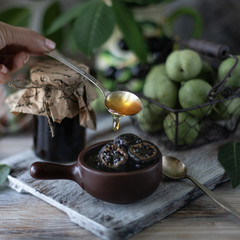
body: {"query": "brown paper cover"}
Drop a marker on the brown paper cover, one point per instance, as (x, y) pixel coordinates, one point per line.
(56, 91)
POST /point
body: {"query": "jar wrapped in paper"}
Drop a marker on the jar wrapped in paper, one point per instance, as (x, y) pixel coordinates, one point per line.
(57, 93)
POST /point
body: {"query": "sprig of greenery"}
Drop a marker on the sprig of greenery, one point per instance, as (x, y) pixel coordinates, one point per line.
(93, 22)
(93, 26)
(89, 24)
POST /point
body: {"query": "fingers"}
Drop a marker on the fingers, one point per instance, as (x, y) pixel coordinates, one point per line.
(18, 61)
(4, 74)
(32, 41)
(26, 38)
(18, 42)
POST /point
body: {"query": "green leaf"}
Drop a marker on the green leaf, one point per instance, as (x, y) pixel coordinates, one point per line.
(16, 16)
(66, 17)
(229, 157)
(4, 171)
(130, 30)
(73, 48)
(93, 26)
(52, 12)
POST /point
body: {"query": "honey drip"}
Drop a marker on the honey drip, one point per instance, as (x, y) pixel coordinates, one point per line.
(120, 105)
(116, 119)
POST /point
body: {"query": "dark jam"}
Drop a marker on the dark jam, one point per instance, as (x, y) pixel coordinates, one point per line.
(126, 153)
(93, 162)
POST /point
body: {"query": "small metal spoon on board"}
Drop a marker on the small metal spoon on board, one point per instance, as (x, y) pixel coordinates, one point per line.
(175, 169)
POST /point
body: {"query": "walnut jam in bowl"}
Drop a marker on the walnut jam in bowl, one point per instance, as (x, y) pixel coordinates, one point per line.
(122, 170)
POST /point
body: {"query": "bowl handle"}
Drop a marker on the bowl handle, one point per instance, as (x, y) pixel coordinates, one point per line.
(48, 171)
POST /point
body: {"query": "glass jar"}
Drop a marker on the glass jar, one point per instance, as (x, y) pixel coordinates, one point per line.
(67, 143)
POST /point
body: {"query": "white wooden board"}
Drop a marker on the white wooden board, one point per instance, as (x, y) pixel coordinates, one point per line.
(113, 221)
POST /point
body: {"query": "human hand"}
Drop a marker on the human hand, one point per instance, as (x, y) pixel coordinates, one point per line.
(16, 44)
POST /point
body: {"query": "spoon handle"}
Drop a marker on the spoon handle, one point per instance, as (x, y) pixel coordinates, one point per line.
(61, 58)
(216, 198)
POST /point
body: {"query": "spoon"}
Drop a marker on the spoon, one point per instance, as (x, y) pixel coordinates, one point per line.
(175, 169)
(118, 103)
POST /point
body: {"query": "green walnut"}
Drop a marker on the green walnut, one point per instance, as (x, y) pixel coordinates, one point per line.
(186, 131)
(160, 88)
(193, 93)
(225, 66)
(182, 65)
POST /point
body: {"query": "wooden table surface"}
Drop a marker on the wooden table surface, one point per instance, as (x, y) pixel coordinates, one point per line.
(23, 216)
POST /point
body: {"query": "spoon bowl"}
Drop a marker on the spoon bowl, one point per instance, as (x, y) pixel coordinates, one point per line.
(175, 169)
(123, 103)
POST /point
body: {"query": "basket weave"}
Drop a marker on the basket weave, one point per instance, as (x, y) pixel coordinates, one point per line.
(207, 128)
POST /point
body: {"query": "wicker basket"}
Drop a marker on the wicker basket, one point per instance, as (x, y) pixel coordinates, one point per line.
(208, 128)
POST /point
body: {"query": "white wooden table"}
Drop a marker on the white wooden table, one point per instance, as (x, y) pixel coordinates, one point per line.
(23, 216)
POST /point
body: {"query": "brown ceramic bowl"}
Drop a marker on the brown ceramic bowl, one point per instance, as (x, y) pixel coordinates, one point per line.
(113, 187)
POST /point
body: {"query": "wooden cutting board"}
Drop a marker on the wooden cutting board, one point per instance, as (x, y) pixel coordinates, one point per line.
(113, 221)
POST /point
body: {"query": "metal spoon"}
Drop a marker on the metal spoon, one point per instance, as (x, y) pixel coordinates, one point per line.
(118, 103)
(174, 168)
